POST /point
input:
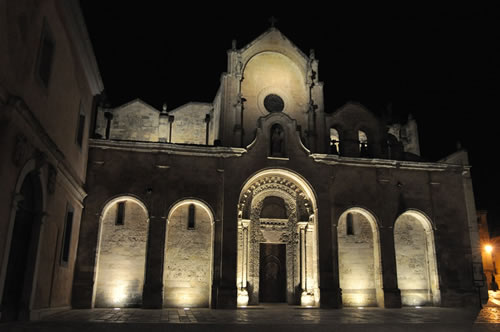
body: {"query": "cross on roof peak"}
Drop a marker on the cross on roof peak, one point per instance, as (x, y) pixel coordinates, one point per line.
(273, 20)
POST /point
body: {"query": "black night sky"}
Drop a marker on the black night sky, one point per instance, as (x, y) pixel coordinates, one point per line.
(441, 65)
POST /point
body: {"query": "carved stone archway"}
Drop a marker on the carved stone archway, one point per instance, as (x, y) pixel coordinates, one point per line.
(297, 232)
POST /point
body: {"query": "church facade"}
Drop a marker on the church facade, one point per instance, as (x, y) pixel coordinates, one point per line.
(263, 196)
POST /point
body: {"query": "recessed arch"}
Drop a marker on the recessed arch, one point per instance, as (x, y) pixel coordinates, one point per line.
(360, 272)
(188, 264)
(22, 248)
(272, 83)
(121, 253)
(293, 236)
(418, 277)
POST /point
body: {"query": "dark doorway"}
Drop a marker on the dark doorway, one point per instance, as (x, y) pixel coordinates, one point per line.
(272, 278)
(22, 256)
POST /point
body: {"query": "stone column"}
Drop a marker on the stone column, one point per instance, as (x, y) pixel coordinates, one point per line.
(226, 290)
(302, 235)
(152, 297)
(392, 295)
(84, 275)
(330, 294)
(243, 291)
(306, 298)
(163, 127)
(245, 254)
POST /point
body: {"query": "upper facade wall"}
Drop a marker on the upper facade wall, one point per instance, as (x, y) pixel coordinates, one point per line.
(135, 121)
(138, 121)
(190, 124)
(69, 92)
(268, 74)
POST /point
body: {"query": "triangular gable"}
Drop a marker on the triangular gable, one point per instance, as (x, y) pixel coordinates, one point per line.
(274, 40)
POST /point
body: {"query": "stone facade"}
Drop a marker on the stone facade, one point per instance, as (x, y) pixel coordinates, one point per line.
(122, 256)
(48, 85)
(355, 220)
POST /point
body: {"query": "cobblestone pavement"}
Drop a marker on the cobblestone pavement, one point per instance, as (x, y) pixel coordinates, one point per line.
(268, 318)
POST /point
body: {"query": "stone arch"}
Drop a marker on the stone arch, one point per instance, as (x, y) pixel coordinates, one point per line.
(121, 254)
(272, 74)
(360, 271)
(297, 233)
(187, 269)
(22, 248)
(416, 264)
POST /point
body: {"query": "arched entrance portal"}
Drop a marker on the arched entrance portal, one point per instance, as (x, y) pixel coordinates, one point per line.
(277, 240)
(18, 286)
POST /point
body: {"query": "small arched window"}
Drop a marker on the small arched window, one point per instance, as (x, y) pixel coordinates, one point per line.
(363, 144)
(334, 141)
(191, 216)
(120, 214)
(349, 224)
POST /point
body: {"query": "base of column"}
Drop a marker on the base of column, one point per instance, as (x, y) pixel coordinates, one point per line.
(242, 300)
(392, 298)
(152, 297)
(226, 298)
(82, 294)
(330, 298)
(307, 299)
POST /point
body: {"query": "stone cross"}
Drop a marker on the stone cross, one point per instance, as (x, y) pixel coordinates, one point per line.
(273, 20)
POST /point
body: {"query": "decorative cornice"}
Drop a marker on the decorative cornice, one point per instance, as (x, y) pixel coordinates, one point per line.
(78, 34)
(385, 163)
(54, 154)
(169, 148)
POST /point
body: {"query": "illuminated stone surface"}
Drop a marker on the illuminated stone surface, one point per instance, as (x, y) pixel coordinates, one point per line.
(359, 263)
(415, 257)
(122, 252)
(188, 258)
(285, 191)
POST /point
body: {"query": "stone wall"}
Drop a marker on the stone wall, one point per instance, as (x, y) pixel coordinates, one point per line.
(122, 257)
(412, 261)
(188, 259)
(272, 73)
(136, 121)
(356, 262)
(189, 126)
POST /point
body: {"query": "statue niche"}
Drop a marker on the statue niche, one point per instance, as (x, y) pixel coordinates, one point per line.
(277, 141)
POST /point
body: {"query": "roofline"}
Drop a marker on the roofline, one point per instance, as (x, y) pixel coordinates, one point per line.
(77, 30)
(271, 29)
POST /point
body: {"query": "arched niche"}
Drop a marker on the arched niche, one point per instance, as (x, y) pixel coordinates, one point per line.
(283, 238)
(416, 260)
(360, 272)
(121, 255)
(187, 270)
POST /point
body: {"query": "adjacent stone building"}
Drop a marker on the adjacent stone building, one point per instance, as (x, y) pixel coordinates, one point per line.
(48, 84)
(264, 196)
